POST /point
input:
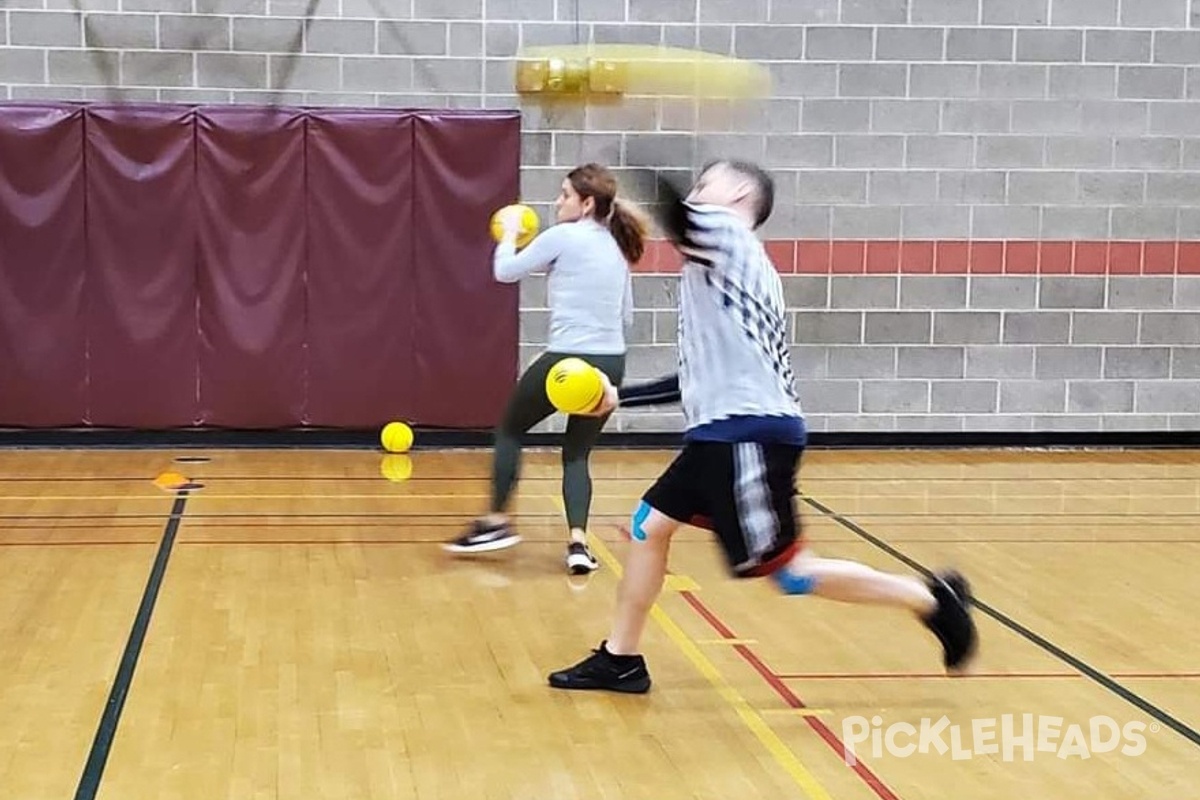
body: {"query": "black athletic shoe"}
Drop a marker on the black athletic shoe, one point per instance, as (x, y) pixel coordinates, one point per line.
(580, 560)
(603, 670)
(959, 585)
(482, 538)
(951, 621)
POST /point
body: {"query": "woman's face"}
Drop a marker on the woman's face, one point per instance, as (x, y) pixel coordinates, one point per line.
(570, 206)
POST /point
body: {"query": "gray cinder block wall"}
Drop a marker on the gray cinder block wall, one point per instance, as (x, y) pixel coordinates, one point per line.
(989, 211)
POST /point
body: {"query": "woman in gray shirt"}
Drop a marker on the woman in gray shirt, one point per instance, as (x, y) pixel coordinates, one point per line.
(587, 257)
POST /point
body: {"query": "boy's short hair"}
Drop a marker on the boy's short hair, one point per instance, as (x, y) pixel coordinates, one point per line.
(763, 182)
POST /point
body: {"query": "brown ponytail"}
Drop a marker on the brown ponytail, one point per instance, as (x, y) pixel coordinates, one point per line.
(627, 226)
(629, 229)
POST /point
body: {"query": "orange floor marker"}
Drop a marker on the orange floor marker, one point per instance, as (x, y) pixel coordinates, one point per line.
(170, 481)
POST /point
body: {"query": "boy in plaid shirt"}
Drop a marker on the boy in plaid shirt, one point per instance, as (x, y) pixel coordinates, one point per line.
(745, 434)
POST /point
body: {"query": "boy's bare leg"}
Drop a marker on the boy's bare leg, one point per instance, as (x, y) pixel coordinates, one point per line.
(852, 582)
(616, 665)
(645, 569)
(941, 604)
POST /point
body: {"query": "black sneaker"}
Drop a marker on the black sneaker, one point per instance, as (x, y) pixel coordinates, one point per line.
(951, 621)
(603, 670)
(959, 585)
(482, 538)
(580, 560)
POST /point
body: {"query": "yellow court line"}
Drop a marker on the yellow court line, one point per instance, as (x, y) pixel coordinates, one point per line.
(757, 725)
(680, 583)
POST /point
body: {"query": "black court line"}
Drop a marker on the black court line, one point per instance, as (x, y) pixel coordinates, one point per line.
(300, 525)
(1184, 730)
(443, 438)
(258, 515)
(75, 478)
(440, 519)
(555, 478)
(68, 522)
(92, 543)
(556, 540)
(196, 522)
(89, 781)
(456, 479)
(98, 525)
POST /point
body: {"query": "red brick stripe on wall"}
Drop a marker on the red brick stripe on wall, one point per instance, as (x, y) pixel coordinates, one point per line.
(857, 257)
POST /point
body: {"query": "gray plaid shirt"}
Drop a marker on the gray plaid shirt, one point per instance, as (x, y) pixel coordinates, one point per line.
(734, 358)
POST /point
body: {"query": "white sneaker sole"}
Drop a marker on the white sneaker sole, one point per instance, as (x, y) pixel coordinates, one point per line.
(579, 565)
(487, 547)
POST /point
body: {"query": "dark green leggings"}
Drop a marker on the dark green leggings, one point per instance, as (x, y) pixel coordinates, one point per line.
(529, 406)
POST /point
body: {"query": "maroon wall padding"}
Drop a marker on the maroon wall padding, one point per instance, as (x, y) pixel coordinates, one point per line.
(43, 370)
(465, 364)
(360, 268)
(141, 246)
(250, 184)
(253, 267)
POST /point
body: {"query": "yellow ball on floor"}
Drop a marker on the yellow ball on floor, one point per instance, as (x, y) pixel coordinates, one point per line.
(574, 386)
(396, 437)
(529, 224)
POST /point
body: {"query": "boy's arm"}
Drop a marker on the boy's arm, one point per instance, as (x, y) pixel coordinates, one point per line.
(654, 393)
(702, 235)
(659, 392)
(678, 221)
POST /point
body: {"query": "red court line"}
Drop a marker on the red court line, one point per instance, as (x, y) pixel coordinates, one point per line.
(878, 786)
(836, 676)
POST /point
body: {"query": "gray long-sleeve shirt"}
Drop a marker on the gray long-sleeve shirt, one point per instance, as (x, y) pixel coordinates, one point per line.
(589, 286)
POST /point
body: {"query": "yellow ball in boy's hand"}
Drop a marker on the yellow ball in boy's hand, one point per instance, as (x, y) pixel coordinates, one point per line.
(574, 386)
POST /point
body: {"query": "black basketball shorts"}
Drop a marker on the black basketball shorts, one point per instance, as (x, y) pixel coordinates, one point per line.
(744, 492)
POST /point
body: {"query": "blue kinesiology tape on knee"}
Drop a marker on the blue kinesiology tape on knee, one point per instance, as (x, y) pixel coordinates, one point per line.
(639, 518)
(792, 583)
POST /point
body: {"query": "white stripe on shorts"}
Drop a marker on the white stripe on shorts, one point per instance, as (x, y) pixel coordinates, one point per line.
(753, 496)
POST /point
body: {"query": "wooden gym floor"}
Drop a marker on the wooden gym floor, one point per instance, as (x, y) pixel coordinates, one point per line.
(290, 628)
